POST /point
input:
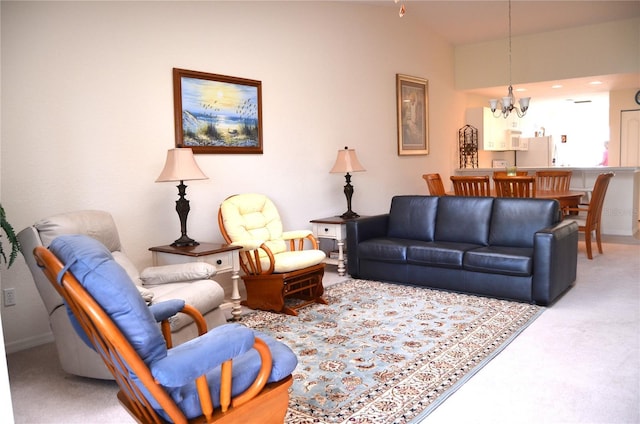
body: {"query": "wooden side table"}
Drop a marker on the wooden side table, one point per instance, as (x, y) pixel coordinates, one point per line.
(224, 257)
(333, 228)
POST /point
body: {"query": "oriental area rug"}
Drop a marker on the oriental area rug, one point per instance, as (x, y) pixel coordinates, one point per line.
(388, 353)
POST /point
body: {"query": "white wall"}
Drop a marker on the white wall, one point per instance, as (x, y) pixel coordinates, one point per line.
(87, 115)
(592, 50)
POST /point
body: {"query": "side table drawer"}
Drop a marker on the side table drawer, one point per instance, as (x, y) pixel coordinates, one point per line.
(222, 261)
(328, 231)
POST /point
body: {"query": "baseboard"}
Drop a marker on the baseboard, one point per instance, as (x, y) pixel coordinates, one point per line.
(28, 343)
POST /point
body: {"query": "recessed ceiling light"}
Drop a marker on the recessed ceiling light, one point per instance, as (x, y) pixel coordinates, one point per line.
(520, 89)
(595, 83)
(556, 86)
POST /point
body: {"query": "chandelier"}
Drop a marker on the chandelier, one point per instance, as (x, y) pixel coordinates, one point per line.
(507, 104)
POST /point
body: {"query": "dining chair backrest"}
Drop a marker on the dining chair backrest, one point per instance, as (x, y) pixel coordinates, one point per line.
(505, 174)
(517, 186)
(553, 180)
(471, 185)
(434, 184)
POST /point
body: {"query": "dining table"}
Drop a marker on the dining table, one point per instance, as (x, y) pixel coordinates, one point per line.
(566, 198)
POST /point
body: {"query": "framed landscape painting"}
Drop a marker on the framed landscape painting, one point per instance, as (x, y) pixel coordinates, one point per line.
(413, 112)
(217, 113)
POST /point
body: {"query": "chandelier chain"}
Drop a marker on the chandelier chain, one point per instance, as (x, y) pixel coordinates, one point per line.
(510, 80)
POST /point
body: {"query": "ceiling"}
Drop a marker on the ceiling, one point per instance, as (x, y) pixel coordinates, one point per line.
(466, 22)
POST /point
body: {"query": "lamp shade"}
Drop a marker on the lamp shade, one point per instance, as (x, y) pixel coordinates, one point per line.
(347, 161)
(180, 166)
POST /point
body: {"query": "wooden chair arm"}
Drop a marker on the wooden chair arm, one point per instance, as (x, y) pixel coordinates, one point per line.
(298, 242)
(262, 377)
(226, 383)
(197, 317)
(251, 264)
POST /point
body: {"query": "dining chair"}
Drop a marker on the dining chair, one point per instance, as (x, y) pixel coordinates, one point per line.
(471, 185)
(434, 183)
(589, 220)
(553, 180)
(517, 186)
(504, 174)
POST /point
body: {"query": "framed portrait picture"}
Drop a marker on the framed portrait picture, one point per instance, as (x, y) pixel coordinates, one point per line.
(217, 113)
(413, 115)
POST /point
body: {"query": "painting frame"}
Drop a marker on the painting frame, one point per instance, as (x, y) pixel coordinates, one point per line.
(412, 95)
(217, 113)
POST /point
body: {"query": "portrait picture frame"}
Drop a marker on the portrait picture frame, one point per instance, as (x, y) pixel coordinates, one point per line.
(412, 95)
(217, 113)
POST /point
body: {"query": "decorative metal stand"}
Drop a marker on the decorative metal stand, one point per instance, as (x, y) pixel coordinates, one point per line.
(468, 146)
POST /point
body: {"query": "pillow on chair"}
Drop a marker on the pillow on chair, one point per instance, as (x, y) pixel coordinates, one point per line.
(171, 274)
(92, 264)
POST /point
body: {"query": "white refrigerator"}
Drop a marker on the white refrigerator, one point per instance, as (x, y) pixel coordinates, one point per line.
(540, 152)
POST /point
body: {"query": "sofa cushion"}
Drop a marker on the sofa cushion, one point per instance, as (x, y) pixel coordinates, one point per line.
(413, 217)
(517, 261)
(387, 249)
(441, 254)
(515, 221)
(464, 219)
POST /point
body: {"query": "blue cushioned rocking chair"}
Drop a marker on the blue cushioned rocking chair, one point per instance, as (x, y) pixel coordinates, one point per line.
(229, 374)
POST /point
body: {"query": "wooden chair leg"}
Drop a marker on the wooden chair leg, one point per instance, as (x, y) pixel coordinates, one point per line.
(587, 241)
(598, 239)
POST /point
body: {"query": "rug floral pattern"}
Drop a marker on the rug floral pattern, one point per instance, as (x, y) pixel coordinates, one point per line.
(385, 353)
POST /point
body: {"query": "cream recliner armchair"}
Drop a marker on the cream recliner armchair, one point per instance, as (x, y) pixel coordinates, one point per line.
(190, 282)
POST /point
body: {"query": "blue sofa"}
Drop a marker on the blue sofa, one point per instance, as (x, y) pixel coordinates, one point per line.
(518, 249)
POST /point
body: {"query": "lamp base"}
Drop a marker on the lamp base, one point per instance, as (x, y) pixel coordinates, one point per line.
(184, 241)
(182, 207)
(349, 215)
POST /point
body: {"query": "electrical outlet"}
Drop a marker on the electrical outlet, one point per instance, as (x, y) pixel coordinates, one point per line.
(9, 297)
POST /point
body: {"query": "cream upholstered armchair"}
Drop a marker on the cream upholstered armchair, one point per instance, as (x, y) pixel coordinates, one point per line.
(189, 282)
(277, 264)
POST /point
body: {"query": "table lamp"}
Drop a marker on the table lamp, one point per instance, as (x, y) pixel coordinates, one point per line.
(347, 161)
(181, 166)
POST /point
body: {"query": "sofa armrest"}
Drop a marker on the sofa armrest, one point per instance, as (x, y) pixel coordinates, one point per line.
(555, 261)
(360, 230)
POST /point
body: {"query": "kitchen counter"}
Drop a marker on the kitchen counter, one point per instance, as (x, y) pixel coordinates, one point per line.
(621, 204)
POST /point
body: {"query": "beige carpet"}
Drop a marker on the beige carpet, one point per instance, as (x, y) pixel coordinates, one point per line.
(388, 353)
